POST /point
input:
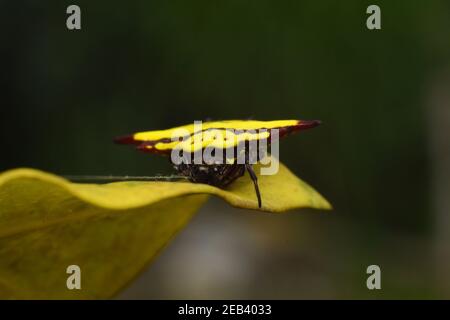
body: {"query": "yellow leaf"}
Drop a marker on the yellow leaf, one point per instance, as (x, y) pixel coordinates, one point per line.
(111, 231)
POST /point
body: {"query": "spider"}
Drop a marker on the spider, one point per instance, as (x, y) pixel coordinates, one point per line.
(232, 137)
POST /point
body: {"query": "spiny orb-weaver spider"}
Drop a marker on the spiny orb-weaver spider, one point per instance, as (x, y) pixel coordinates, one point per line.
(233, 138)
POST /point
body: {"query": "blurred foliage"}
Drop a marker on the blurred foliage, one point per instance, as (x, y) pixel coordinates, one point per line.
(152, 64)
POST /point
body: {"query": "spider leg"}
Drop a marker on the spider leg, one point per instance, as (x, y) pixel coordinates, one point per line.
(255, 182)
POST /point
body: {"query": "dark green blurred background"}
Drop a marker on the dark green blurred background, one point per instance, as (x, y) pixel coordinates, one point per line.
(381, 157)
